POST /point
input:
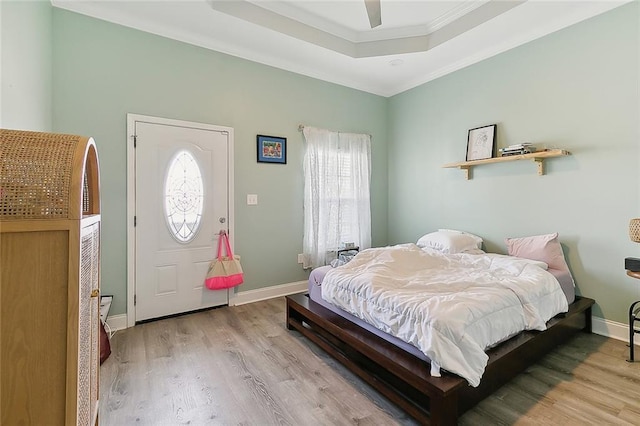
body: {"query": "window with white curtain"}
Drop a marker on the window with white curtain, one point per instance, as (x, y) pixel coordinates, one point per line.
(337, 208)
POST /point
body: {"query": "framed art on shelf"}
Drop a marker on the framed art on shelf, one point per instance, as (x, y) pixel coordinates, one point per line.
(481, 143)
(272, 149)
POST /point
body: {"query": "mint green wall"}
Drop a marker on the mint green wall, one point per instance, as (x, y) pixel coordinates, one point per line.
(576, 89)
(25, 75)
(103, 71)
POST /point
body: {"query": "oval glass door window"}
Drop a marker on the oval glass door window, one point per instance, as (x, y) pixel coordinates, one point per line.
(183, 197)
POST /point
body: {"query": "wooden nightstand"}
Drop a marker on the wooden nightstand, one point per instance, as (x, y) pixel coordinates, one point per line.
(634, 316)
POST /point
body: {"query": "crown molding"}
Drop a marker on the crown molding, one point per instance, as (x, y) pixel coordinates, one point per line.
(380, 42)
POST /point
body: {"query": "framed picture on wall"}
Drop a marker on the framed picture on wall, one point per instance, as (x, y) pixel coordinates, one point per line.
(481, 143)
(272, 149)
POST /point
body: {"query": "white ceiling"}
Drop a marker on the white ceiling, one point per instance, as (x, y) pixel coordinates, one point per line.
(331, 40)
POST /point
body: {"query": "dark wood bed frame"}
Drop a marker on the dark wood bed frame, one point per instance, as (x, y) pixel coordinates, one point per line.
(405, 379)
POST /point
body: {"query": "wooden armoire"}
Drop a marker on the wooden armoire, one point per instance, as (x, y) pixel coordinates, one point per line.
(49, 279)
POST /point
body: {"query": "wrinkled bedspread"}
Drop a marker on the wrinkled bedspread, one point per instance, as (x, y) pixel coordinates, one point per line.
(451, 306)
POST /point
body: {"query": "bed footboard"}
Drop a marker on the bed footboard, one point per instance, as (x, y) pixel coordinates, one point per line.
(405, 379)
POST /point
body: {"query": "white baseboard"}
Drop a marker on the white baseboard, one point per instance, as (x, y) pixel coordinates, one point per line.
(117, 322)
(601, 326)
(612, 329)
(250, 296)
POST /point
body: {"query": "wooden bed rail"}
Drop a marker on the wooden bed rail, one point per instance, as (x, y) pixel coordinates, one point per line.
(405, 379)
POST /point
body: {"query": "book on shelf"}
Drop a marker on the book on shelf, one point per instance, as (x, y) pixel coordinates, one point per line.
(519, 145)
(510, 153)
(517, 149)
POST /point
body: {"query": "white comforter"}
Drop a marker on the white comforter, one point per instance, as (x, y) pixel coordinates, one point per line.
(451, 306)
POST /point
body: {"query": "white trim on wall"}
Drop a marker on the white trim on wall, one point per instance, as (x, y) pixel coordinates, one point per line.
(612, 329)
(281, 290)
(117, 322)
(600, 326)
(122, 321)
(131, 211)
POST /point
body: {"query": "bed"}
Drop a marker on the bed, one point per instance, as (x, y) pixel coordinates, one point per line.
(402, 371)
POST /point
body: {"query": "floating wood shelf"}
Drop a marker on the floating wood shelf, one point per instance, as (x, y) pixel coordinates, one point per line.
(537, 157)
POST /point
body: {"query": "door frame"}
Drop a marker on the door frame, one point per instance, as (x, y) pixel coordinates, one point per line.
(132, 119)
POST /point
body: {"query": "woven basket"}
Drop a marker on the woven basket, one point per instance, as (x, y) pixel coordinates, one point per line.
(634, 230)
(36, 174)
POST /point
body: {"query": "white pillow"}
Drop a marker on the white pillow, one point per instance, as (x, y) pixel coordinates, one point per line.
(450, 241)
(478, 239)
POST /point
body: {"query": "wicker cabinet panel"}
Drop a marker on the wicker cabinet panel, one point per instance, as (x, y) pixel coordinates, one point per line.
(88, 335)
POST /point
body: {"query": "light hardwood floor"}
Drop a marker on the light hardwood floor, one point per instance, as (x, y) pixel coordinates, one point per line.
(241, 366)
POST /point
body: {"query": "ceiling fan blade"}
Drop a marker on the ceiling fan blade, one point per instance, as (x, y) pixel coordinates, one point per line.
(373, 10)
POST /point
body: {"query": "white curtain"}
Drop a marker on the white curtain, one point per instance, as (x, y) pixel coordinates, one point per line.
(337, 209)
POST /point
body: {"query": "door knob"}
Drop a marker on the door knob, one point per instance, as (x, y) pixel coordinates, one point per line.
(222, 220)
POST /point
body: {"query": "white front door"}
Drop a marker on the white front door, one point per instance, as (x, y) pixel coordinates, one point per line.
(181, 204)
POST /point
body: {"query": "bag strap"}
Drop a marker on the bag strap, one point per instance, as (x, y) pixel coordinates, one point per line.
(223, 236)
(226, 240)
(220, 237)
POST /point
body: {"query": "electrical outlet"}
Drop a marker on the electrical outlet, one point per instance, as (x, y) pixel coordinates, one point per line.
(300, 258)
(252, 199)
